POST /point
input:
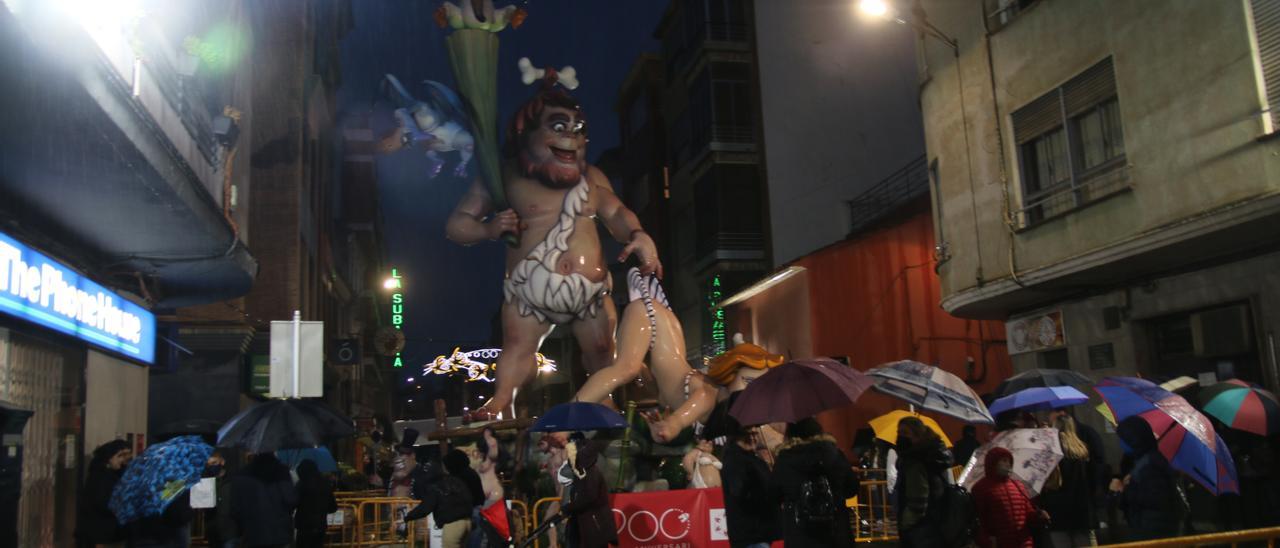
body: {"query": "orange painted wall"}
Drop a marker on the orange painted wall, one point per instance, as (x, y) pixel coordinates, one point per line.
(876, 299)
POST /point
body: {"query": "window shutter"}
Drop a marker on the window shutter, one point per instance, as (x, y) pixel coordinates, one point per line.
(1266, 24)
(1093, 86)
(1034, 119)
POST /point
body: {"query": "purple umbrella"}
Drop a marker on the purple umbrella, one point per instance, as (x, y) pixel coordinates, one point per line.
(799, 389)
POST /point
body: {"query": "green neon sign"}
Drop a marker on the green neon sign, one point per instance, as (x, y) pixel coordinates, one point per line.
(397, 308)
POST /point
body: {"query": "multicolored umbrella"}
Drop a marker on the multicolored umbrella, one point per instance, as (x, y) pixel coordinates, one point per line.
(799, 389)
(886, 426)
(932, 389)
(1042, 377)
(1183, 435)
(157, 477)
(1036, 452)
(1039, 399)
(1243, 406)
(578, 416)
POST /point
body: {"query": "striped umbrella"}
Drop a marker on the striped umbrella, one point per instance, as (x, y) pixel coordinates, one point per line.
(931, 389)
(1243, 406)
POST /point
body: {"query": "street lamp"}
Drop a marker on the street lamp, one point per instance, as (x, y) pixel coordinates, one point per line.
(881, 9)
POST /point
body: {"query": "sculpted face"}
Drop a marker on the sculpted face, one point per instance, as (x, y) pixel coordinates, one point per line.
(556, 151)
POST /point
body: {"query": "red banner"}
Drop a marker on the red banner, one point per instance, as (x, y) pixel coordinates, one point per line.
(688, 518)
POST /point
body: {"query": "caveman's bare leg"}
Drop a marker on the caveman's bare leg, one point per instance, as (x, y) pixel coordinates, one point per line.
(521, 337)
(595, 338)
(633, 343)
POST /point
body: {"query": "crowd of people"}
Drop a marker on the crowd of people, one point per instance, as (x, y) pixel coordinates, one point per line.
(262, 505)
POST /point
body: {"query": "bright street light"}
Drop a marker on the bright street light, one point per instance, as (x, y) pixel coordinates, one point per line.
(391, 283)
(874, 8)
(410, 379)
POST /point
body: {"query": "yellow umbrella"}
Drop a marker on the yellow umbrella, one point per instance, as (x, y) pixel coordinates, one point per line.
(1105, 411)
(886, 426)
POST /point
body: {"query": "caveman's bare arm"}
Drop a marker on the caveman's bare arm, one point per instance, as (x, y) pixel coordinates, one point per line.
(623, 225)
(466, 225)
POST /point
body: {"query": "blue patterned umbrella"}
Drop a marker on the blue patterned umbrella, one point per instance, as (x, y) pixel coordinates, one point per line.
(930, 389)
(158, 476)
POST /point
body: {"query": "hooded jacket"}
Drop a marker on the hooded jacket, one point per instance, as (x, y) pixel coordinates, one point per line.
(751, 515)
(95, 523)
(804, 459)
(446, 496)
(315, 498)
(590, 515)
(1006, 514)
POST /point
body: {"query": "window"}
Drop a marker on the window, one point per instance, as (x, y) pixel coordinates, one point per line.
(1266, 29)
(1070, 146)
(729, 209)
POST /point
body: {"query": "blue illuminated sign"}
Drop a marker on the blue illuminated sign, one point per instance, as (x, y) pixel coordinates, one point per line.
(38, 289)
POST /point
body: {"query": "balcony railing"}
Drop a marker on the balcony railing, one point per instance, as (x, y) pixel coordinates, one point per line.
(181, 92)
(682, 52)
(731, 245)
(721, 133)
(1065, 198)
(889, 194)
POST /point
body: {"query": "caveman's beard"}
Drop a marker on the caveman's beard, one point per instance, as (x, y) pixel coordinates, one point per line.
(552, 172)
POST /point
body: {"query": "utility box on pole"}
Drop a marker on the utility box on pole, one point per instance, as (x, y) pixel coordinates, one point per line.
(306, 353)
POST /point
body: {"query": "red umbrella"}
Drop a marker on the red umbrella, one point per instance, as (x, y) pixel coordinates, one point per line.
(799, 389)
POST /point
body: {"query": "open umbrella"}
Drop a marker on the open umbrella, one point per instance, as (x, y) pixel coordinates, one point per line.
(886, 426)
(319, 455)
(284, 424)
(1036, 452)
(1042, 377)
(578, 416)
(1039, 398)
(1243, 406)
(1184, 436)
(932, 389)
(799, 389)
(157, 477)
(1179, 384)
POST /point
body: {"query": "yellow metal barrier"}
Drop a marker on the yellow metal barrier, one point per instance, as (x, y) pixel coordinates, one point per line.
(344, 532)
(366, 494)
(378, 523)
(537, 516)
(1229, 538)
(521, 525)
(874, 518)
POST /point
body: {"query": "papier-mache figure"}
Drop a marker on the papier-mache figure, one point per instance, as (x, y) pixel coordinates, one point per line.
(557, 274)
(648, 327)
(437, 123)
(479, 14)
(734, 369)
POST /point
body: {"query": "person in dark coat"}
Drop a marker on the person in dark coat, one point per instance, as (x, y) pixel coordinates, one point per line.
(966, 445)
(458, 465)
(923, 459)
(588, 511)
(315, 503)
(170, 529)
(1153, 503)
(263, 499)
(1068, 495)
(449, 500)
(752, 517)
(807, 456)
(95, 523)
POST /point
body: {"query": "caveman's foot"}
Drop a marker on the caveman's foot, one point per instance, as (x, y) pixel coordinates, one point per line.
(483, 414)
(461, 170)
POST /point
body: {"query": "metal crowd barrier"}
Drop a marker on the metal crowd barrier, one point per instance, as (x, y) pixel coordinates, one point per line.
(521, 522)
(536, 516)
(377, 521)
(874, 518)
(343, 524)
(1228, 538)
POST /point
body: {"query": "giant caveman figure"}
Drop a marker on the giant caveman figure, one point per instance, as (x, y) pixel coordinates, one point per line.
(557, 274)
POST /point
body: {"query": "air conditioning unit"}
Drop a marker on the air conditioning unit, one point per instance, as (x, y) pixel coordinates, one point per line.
(1225, 331)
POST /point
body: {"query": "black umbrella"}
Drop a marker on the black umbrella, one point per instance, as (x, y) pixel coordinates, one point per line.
(1042, 377)
(284, 424)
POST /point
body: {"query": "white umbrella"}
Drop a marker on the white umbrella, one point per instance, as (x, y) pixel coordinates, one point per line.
(1036, 452)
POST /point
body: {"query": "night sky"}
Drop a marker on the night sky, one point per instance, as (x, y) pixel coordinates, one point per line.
(453, 292)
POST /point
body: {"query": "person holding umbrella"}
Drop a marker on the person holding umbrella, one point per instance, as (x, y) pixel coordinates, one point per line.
(1007, 517)
(752, 517)
(812, 479)
(923, 459)
(151, 500)
(263, 499)
(1070, 498)
(315, 503)
(1153, 503)
(590, 516)
(95, 523)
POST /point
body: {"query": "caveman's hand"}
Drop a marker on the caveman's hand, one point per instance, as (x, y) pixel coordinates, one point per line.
(503, 222)
(642, 245)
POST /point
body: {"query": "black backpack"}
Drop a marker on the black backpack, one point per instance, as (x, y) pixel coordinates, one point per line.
(816, 507)
(955, 516)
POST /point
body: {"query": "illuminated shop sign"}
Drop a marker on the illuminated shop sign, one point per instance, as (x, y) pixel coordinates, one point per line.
(40, 290)
(714, 295)
(397, 309)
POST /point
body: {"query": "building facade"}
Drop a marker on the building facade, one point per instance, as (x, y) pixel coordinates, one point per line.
(1105, 179)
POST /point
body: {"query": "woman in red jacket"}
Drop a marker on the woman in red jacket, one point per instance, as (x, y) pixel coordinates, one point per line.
(1006, 514)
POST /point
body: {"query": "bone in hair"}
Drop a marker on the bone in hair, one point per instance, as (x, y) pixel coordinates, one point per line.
(567, 76)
